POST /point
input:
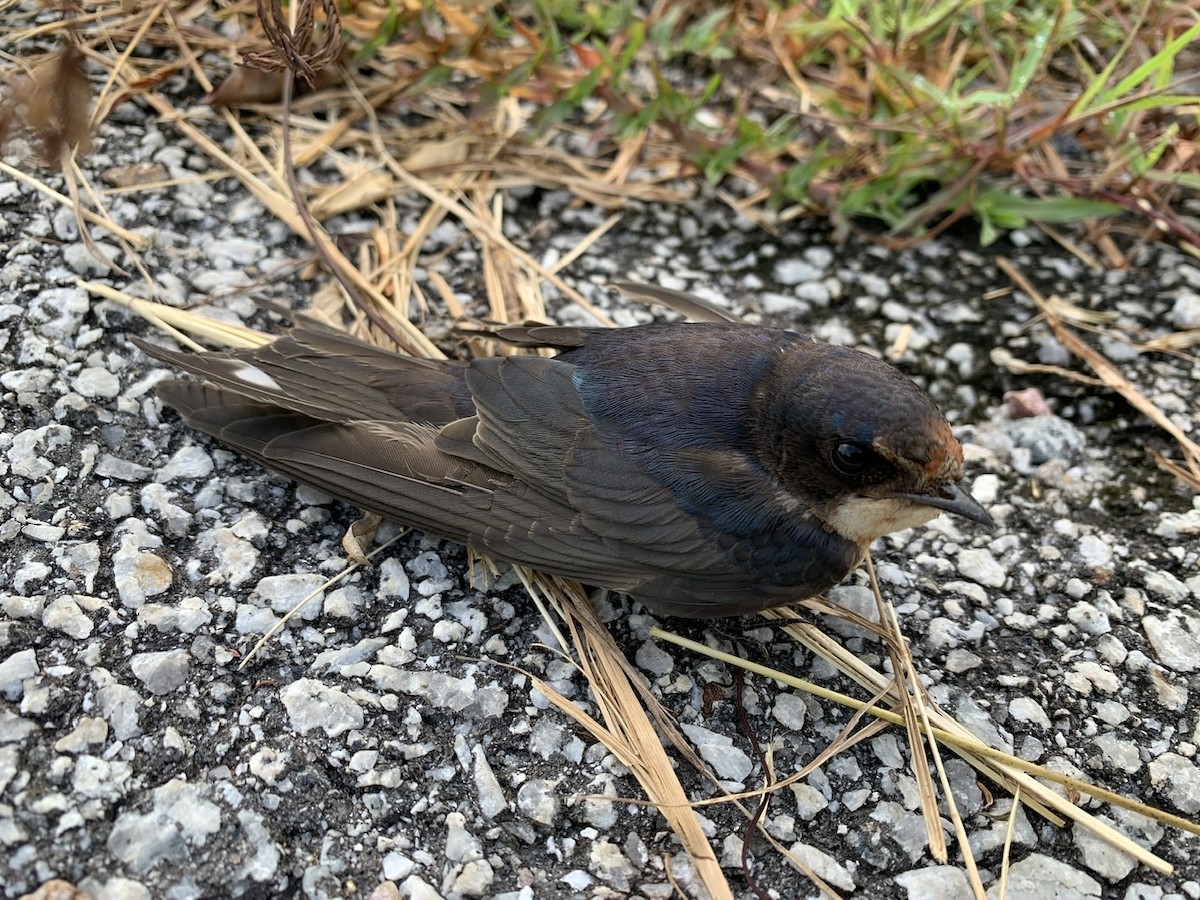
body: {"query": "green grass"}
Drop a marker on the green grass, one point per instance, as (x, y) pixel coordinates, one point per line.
(913, 114)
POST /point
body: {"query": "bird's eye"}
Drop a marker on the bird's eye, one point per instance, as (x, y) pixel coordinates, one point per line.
(850, 458)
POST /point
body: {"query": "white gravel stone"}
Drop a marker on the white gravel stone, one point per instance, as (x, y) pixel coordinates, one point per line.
(773, 303)
(654, 659)
(982, 567)
(40, 531)
(100, 779)
(611, 866)
(63, 614)
(1173, 526)
(809, 801)
(236, 556)
(601, 814)
(1088, 619)
(79, 560)
(228, 252)
(138, 573)
(340, 657)
(1178, 778)
(119, 704)
(537, 800)
(1026, 709)
(283, 592)
(252, 619)
(311, 704)
(363, 761)
(1186, 311)
(824, 865)
(1046, 438)
(261, 863)
(1119, 752)
(161, 671)
(1175, 639)
(1086, 675)
(442, 690)
(60, 310)
(461, 845)
(122, 889)
(492, 801)
(109, 466)
(789, 711)
(95, 382)
(27, 381)
(985, 489)
(796, 271)
(475, 880)
(959, 660)
(1095, 552)
(397, 866)
(887, 750)
(188, 616)
(1165, 585)
(30, 573)
(1111, 712)
(182, 819)
(905, 828)
(15, 670)
(414, 887)
(192, 462)
(935, 883)
(344, 603)
(729, 762)
(1037, 877)
(90, 731)
(23, 455)
(1099, 856)
(393, 580)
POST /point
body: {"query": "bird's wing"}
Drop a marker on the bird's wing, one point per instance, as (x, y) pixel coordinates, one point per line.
(582, 507)
(390, 467)
(330, 376)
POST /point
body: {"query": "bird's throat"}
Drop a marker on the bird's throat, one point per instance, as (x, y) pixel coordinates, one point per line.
(866, 519)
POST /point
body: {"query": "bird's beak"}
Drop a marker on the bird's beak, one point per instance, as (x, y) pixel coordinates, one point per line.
(952, 498)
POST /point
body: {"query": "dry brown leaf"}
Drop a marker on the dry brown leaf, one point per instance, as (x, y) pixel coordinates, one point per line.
(137, 174)
(246, 86)
(356, 192)
(52, 104)
(440, 153)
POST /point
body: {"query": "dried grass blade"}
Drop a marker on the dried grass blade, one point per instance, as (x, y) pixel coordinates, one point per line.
(177, 321)
(586, 244)
(1008, 770)
(626, 729)
(1109, 374)
(281, 623)
(478, 225)
(905, 686)
(134, 240)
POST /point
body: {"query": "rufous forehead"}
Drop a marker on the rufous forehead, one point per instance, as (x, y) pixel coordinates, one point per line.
(936, 453)
(945, 455)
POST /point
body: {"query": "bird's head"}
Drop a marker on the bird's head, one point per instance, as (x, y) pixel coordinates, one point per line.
(859, 444)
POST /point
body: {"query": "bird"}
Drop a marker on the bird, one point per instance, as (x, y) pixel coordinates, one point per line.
(706, 469)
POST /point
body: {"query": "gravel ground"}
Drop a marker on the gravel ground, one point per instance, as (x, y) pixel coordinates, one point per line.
(375, 748)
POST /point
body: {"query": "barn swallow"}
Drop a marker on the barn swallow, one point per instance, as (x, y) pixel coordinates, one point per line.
(706, 469)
